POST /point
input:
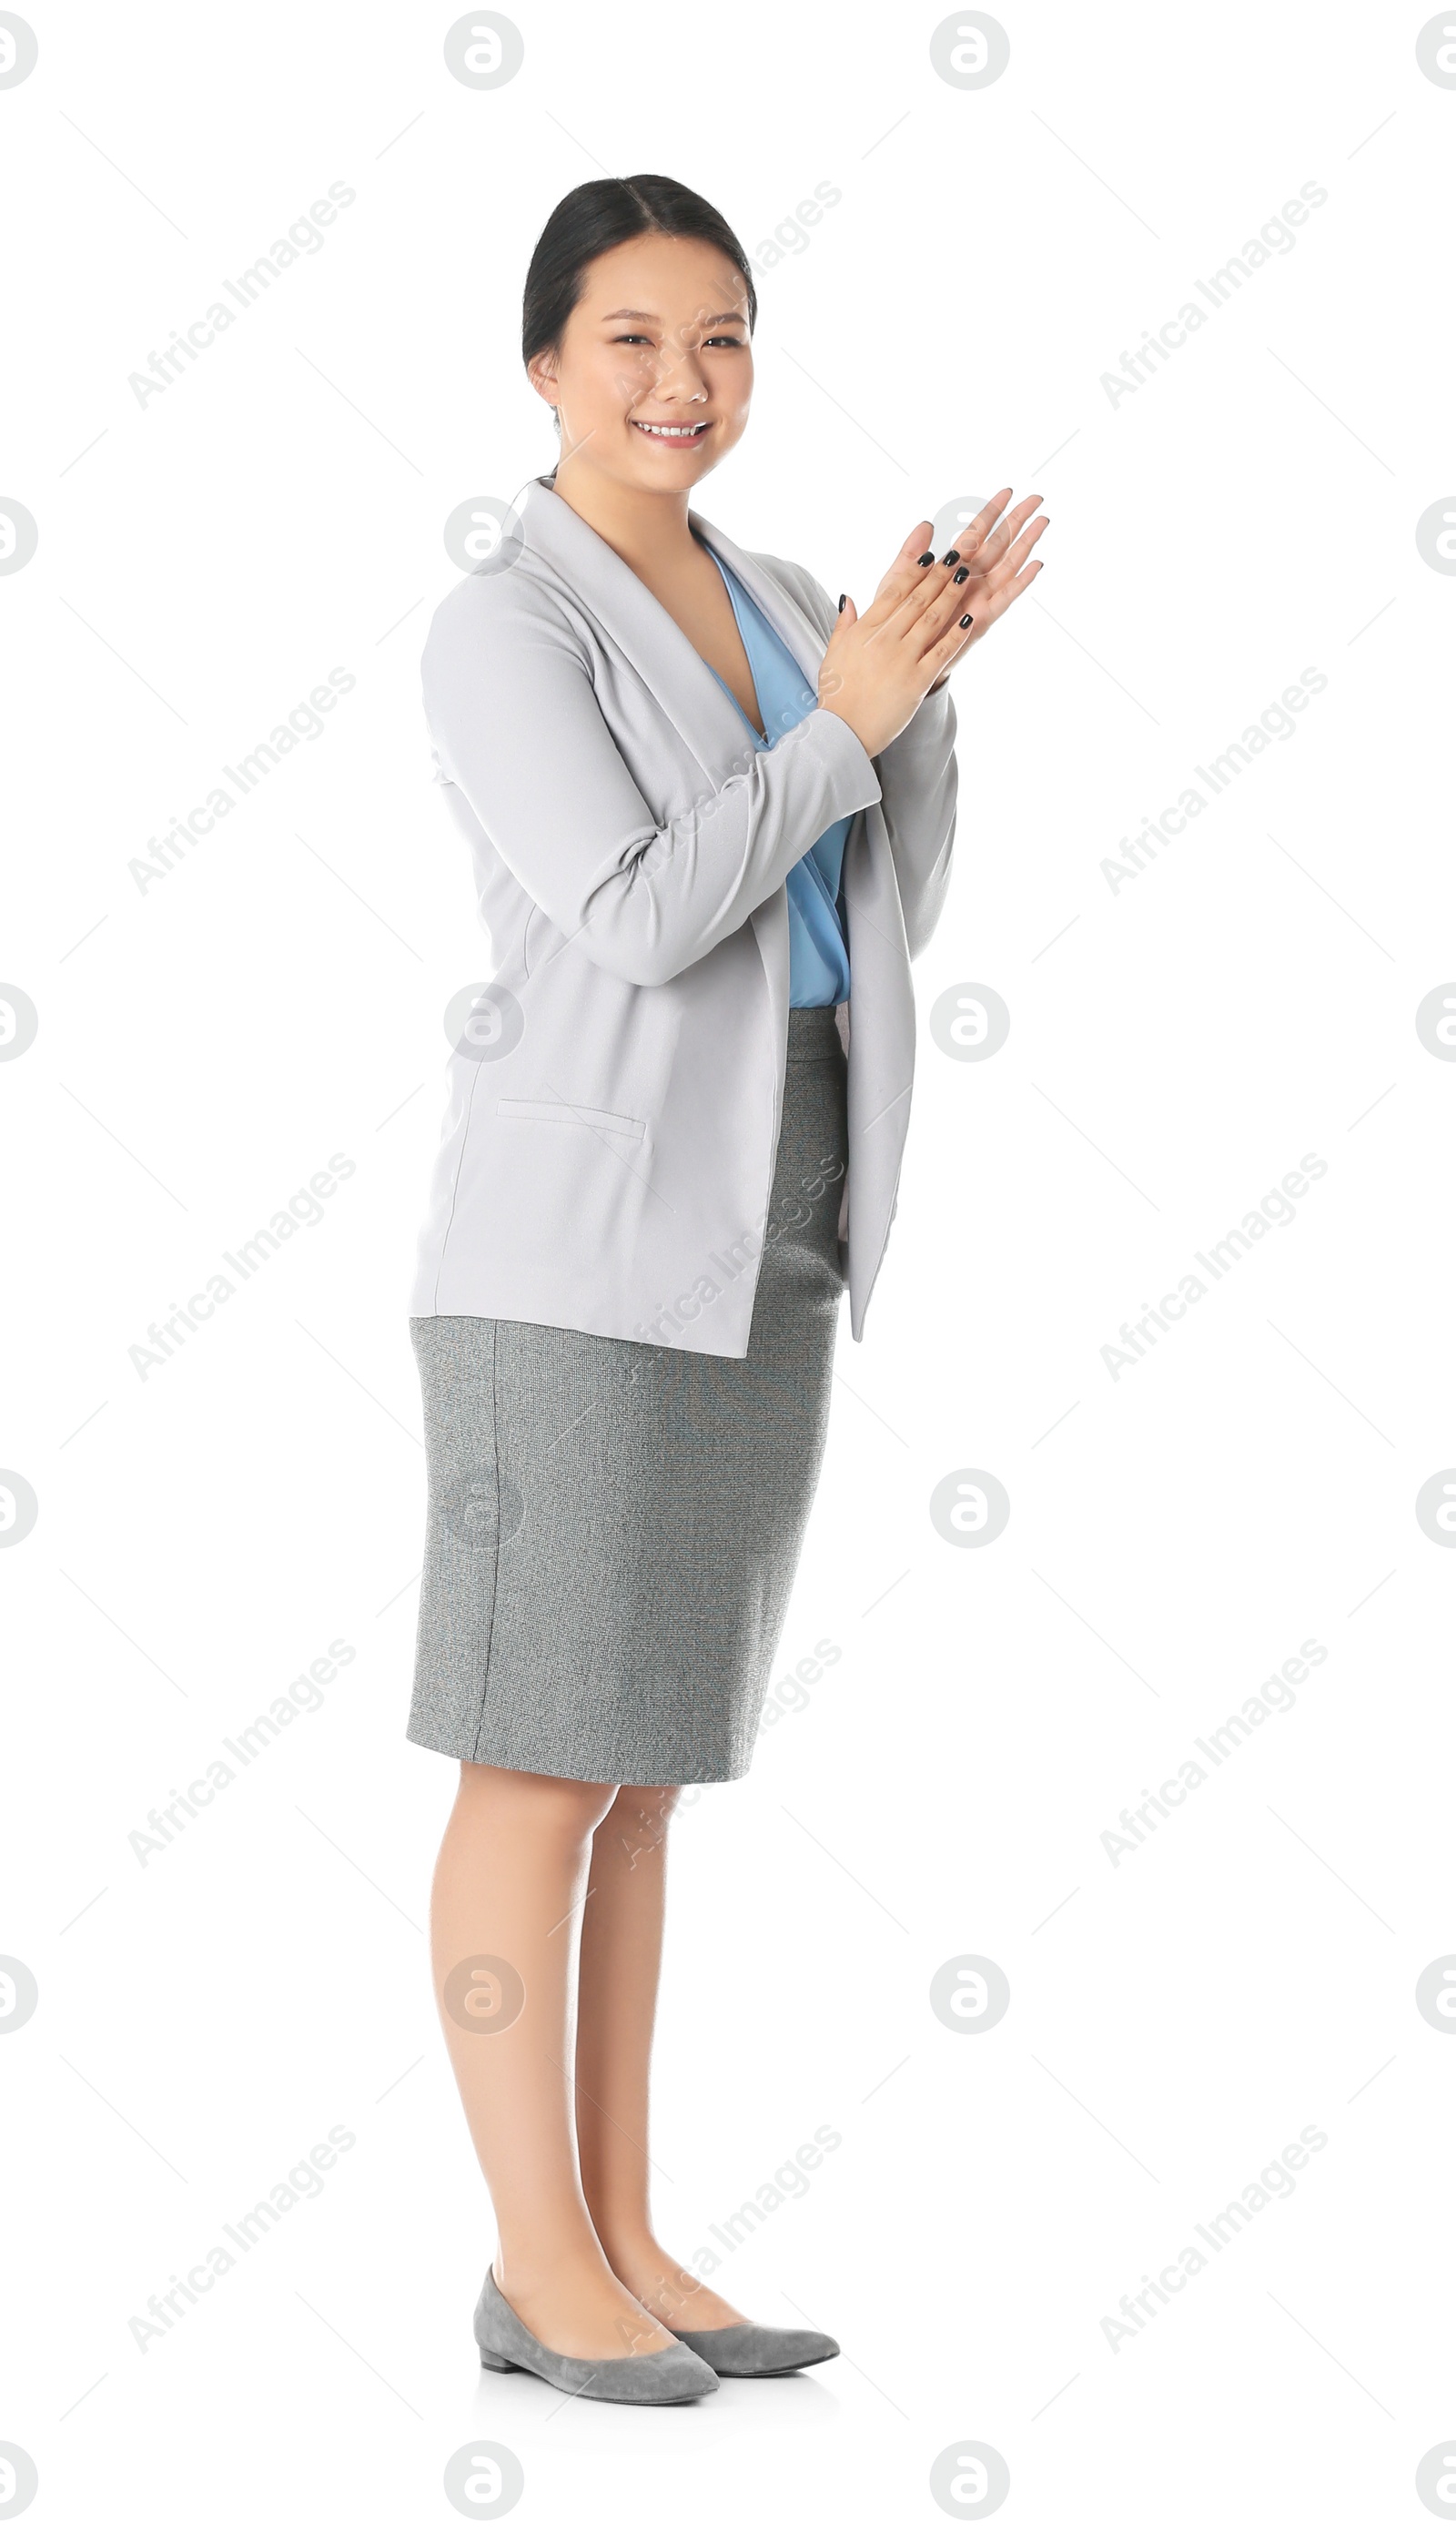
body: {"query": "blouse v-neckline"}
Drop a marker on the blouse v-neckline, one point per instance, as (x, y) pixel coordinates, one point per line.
(761, 736)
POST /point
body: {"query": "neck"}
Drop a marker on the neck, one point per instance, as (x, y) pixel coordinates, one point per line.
(645, 529)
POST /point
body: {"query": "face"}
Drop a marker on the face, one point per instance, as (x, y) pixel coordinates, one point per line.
(659, 336)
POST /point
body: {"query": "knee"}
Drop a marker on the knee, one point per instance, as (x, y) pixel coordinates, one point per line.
(647, 1803)
(555, 1807)
(639, 1816)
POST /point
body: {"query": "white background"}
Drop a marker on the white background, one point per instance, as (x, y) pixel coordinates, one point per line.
(1177, 1045)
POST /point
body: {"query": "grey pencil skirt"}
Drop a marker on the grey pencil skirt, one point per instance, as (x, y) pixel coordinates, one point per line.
(612, 1528)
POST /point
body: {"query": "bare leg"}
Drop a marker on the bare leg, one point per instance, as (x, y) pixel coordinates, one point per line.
(621, 1955)
(509, 1885)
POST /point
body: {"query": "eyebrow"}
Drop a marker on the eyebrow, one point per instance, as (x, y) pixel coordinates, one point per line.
(730, 316)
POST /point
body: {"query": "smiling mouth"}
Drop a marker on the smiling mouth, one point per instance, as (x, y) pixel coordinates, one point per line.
(679, 433)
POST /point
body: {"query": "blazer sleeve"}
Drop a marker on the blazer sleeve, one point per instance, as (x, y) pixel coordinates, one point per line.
(917, 784)
(516, 725)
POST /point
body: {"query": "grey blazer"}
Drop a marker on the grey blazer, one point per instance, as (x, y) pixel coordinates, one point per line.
(614, 1102)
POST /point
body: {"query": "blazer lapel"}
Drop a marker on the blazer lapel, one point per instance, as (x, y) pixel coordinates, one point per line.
(652, 639)
(784, 613)
(683, 684)
(805, 644)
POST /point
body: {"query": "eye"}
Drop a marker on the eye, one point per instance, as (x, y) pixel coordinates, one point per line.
(734, 342)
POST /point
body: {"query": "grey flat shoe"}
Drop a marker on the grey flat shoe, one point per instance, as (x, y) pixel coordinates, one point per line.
(666, 2373)
(751, 2348)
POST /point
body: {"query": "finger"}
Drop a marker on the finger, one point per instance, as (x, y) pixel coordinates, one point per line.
(955, 598)
(943, 659)
(906, 561)
(986, 608)
(996, 544)
(992, 610)
(908, 590)
(908, 566)
(973, 536)
(915, 561)
(1010, 563)
(981, 536)
(956, 638)
(935, 589)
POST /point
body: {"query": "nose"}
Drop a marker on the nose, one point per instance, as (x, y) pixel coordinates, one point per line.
(680, 378)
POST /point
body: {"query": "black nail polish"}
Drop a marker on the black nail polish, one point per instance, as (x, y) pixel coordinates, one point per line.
(962, 574)
(841, 604)
(965, 620)
(950, 555)
(925, 559)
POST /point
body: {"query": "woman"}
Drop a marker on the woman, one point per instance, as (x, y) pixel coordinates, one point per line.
(705, 816)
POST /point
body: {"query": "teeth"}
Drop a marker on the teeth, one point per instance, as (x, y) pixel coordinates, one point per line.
(674, 430)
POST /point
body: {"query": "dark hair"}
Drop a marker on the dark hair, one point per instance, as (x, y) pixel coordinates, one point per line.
(592, 218)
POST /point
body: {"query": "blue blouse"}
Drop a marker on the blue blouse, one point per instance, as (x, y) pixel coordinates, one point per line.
(819, 952)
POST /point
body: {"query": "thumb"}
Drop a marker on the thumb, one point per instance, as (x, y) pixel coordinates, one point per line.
(848, 610)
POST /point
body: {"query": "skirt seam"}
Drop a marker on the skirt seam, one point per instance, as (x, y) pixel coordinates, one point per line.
(495, 1576)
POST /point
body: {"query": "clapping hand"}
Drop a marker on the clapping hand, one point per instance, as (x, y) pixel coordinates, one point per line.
(924, 616)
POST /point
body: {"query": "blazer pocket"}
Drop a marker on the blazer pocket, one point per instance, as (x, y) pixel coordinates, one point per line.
(562, 1112)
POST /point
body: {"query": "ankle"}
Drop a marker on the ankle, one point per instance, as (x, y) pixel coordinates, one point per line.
(653, 2274)
(528, 2270)
(632, 2240)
